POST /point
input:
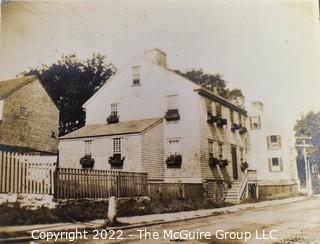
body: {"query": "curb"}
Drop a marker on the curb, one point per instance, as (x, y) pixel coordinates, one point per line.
(145, 224)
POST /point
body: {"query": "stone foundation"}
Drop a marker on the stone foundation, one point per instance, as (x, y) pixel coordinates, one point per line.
(268, 192)
(30, 201)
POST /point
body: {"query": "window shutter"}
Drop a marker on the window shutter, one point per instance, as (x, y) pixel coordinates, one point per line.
(259, 118)
(268, 142)
(270, 164)
(279, 141)
(281, 164)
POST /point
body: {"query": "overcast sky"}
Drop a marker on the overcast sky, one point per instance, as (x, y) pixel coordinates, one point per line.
(269, 49)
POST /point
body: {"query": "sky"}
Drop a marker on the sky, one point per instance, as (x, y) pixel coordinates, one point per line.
(267, 48)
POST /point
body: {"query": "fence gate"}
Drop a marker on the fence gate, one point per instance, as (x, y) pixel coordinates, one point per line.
(30, 174)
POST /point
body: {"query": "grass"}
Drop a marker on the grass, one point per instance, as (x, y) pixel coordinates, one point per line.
(85, 210)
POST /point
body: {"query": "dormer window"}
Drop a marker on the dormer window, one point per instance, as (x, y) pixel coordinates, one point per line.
(136, 75)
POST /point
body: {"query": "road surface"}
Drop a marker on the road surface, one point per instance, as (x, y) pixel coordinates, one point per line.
(297, 222)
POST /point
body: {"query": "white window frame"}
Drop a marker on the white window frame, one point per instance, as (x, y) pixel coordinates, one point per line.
(276, 168)
(116, 145)
(211, 147)
(255, 120)
(274, 145)
(136, 75)
(114, 109)
(88, 147)
(172, 101)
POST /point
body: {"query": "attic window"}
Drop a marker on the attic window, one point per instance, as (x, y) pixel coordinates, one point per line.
(23, 112)
(136, 75)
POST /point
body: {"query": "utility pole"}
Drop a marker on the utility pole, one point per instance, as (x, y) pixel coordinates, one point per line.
(303, 144)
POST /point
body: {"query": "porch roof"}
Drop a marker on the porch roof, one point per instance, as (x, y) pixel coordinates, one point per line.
(126, 127)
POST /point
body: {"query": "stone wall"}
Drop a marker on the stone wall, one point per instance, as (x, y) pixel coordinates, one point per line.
(30, 201)
(277, 191)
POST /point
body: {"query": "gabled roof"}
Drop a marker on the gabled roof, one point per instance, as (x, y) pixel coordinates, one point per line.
(7, 87)
(126, 127)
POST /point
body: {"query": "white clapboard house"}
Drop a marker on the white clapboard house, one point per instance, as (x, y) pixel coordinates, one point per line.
(147, 118)
(272, 154)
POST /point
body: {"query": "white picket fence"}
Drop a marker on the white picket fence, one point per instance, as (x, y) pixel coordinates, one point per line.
(31, 174)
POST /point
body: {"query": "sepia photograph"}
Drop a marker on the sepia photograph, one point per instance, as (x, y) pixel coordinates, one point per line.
(160, 121)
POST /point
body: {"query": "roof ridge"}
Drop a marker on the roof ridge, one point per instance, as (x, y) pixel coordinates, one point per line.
(6, 83)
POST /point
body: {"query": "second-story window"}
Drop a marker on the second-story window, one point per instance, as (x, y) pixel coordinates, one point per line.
(210, 148)
(231, 116)
(218, 110)
(220, 150)
(136, 75)
(88, 147)
(240, 119)
(274, 142)
(255, 123)
(114, 109)
(172, 108)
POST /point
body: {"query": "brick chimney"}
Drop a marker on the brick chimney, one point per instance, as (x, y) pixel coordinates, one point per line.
(157, 56)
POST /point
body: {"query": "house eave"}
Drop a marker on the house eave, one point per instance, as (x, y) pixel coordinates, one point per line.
(99, 136)
(223, 101)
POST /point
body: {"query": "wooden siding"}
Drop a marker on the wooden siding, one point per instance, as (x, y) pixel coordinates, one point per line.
(152, 153)
(34, 130)
(224, 135)
(72, 150)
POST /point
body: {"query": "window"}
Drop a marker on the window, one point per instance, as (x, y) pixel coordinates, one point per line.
(173, 146)
(241, 155)
(23, 112)
(220, 148)
(218, 110)
(172, 102)
(255, 123)
(275, 164)
(210, 148)
(240, 119)
(88, 147)
(136, 75)
(274, 142)
(117, 146)
(114, 109)
(172, 113)
(231, 116)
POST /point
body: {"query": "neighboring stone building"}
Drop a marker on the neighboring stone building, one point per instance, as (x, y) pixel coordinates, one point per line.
(202, 138)
(29, 119)
(271, 154)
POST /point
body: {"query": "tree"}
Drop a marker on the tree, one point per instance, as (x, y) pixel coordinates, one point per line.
(213, 82)
(308, 125)
(70, 83)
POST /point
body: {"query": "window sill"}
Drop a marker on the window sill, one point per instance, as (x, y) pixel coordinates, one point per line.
(136, 85)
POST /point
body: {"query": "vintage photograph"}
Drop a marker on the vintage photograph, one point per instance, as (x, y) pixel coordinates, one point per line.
(160, 121)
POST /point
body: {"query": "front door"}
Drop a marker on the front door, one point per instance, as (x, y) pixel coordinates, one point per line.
(234, 162)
